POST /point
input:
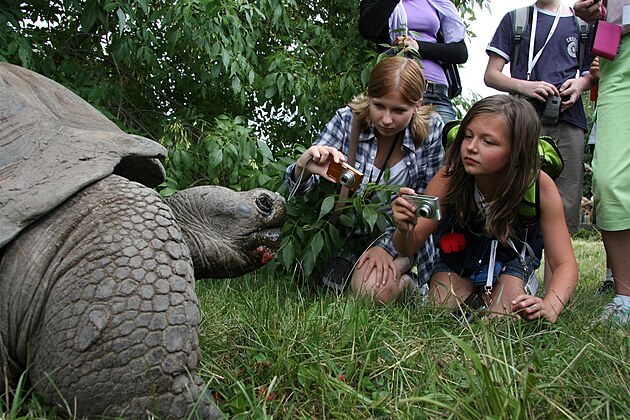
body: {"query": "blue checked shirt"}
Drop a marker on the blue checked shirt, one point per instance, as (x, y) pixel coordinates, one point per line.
(423, 163)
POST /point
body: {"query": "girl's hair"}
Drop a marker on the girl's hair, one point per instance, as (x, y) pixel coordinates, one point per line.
(523, 127)
(396, 73)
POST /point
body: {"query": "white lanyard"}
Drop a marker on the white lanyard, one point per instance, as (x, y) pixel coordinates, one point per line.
(531, 60)
(491, 263)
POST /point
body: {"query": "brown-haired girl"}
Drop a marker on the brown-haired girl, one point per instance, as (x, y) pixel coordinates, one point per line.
(396, 134)
(485, 243)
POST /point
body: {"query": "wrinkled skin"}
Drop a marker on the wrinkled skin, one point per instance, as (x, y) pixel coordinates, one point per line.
(98, 310)
(229, 237)
(97, 298)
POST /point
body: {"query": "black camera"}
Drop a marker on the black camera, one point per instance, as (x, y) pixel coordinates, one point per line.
(551, 110)
(345, 174)
(427, 206)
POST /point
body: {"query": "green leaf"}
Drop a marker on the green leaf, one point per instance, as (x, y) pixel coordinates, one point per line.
(327, 206)
(288, 256)
(346, 220)
(370, 216)
(88, 17)
(317, 243)
(122, 21)
(265, 150)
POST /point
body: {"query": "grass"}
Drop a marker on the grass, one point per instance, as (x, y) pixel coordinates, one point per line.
(276, 348)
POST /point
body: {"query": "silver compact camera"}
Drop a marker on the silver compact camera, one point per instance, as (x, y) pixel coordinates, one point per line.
(427, 206)
(551, 110)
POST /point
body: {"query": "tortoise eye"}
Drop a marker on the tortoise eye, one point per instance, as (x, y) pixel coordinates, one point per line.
(265, 204)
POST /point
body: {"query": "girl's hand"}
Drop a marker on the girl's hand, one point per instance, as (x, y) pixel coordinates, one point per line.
(594, 70)
(404, 212)
(378, 263)
(316, 160)
(406, 42)
(532, 307)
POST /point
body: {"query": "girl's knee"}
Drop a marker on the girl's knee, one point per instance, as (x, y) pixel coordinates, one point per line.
(504, 291)
(382, 293)
(446, 288)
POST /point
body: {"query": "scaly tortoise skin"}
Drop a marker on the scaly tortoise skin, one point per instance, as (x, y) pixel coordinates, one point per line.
(97, 271)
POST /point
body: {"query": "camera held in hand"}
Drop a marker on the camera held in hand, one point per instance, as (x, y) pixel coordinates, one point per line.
(427, 206)
(551, 110)
(345, 174)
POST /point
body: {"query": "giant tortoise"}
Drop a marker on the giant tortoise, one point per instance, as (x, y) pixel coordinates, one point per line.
(97, 300)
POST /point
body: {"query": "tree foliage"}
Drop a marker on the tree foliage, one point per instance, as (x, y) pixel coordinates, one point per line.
(234, 88)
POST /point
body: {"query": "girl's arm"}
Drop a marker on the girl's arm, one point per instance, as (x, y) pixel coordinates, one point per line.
(451, 53)
(412, 231)
(558, 255)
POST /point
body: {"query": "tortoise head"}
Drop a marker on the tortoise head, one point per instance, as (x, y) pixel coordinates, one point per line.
(229, 233)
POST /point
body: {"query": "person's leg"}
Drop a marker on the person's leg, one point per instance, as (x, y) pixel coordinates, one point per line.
(608, 284)
(383, 293)
(611, 174)
(447, 289)
(570, 140)
(617, 244)
(505, 289)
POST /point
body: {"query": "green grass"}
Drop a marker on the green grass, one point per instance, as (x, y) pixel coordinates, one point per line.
(276, 348)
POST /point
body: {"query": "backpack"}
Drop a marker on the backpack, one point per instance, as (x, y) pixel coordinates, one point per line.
(551, 163)
(520, 21)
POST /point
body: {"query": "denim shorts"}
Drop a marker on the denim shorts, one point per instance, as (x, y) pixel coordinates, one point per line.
(513, 268)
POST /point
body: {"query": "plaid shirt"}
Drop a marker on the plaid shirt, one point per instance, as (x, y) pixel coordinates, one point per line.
(423, 163)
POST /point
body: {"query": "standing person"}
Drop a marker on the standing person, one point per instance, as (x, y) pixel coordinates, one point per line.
(491, 164)
(609, 281)
(434, 28)
(611, 160)
(397, 134)
(544, 70)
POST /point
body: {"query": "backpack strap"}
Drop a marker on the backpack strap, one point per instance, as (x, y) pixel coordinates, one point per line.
(529, 207)
(584, 29)
(520, 21)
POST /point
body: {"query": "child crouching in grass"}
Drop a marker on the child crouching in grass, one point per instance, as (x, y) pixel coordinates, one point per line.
(485, 243)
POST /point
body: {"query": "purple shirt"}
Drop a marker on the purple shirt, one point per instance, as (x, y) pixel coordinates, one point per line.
(423, 23)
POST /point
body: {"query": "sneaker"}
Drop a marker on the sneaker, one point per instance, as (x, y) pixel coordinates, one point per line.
(617, 312)
(606, 287)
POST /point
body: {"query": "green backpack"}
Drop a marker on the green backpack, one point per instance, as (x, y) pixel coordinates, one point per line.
(550, 162)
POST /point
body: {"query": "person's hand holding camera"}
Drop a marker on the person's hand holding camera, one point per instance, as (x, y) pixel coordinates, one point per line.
(315, 161)
(404, 212)
(573, 88)
(537, 89)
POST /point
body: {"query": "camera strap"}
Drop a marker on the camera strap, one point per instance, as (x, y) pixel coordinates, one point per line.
(352, 154)
(389, 155)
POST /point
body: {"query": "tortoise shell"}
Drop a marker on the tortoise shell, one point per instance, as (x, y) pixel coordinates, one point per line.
(53, 144)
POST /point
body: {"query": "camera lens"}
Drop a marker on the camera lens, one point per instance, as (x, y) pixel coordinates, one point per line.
(425, 210)
(346, 178)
